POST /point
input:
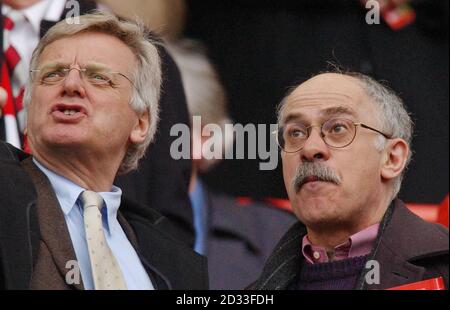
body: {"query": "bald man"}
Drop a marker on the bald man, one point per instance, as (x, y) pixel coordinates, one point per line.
(345, 143)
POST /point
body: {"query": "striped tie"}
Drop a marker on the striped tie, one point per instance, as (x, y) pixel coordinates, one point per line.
(15, 117)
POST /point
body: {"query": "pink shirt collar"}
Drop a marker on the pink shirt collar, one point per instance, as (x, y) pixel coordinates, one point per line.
(358, 244)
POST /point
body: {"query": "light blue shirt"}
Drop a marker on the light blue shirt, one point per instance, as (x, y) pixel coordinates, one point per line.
(200, 212)
(68, 193)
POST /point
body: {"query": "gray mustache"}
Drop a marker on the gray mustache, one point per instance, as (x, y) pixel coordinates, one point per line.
(308, 169)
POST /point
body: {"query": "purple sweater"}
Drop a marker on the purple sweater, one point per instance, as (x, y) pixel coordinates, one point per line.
(336, 275)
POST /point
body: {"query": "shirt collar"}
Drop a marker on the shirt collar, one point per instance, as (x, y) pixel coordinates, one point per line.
(358, 244)
(68, 192)
(112, 200)
(362, 242)
(50, 10)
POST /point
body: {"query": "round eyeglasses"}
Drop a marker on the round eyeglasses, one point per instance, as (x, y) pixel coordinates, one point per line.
(336, 133)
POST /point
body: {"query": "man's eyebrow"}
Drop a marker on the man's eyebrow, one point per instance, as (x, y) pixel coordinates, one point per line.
(97, 66)
(325, 113)
(338, 110)
(55, 64)
(292, 116)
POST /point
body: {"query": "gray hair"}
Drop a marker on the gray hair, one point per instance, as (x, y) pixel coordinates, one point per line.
(393, 116)
(147, 77)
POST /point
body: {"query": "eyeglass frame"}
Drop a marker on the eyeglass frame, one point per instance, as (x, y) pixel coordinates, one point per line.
(322, 135)
(84, 70)
(67, 70)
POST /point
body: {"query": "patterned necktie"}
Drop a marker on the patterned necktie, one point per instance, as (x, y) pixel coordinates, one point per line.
(18, 75)
(106, 271)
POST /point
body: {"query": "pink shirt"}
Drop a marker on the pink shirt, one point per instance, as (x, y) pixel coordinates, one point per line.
(358, 244)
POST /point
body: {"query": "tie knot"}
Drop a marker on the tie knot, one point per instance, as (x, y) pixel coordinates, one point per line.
(90, 199)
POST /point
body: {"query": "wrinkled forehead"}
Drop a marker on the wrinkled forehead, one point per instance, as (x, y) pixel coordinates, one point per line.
(89, 48)
(326, 96)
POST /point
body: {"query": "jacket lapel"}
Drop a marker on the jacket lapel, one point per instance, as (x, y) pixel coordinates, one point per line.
(128, 230)
(158, 280)
(53, 228)
(397, 248)
(285, 262)
(395, 270)
(171, 263)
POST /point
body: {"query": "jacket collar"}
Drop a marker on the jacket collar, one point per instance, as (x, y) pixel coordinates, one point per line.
(425, 240)
(284, 264)
(51, 220)
(158, 240)
(398, 247)
(159, 281)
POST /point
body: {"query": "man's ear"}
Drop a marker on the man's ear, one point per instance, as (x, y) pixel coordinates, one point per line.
(140, 129)
(396, 155)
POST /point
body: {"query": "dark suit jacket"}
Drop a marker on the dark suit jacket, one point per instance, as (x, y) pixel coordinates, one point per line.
(408, 250)
(240, 239)
(35, 244)
(160, 182)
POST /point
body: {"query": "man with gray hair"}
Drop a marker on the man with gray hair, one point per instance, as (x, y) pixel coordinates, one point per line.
(161, 182)
(345, 143)
(92, 105)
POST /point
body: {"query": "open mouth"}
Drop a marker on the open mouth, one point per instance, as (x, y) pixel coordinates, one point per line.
(68, 111)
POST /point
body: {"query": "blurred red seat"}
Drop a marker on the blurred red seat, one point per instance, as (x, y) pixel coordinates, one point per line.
(435, 213)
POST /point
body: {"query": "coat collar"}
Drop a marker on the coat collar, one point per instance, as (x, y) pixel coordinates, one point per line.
(158, 240)
(52, 224)
(425, 240)
(404, 238)
(284, 264)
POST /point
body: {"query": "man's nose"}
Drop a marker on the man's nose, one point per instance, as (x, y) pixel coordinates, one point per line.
(74, 84)
(315, 147)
